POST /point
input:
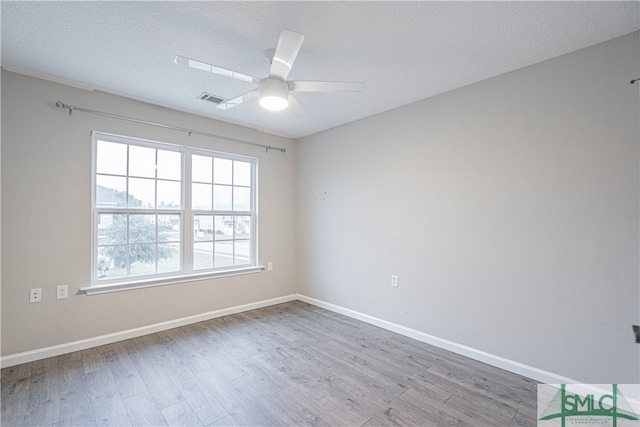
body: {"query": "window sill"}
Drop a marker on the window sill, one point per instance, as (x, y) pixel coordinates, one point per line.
(139, 284)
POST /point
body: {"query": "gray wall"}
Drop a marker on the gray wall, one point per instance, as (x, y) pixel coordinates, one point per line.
(508, 208)
(46, 213)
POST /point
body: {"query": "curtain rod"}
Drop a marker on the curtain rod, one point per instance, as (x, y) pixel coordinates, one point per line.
(72, 108)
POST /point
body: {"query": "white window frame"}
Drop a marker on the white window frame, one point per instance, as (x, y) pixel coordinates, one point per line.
(187, 215)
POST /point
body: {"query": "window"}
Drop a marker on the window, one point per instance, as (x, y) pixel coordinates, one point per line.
(164, 212)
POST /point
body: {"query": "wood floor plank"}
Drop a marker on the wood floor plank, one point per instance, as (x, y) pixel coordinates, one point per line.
(480, 408)
(15, 379)
(44, 391)
(204, 404)
(513, 390)
(445, 415)
(525, 418)
(227, 421)
(124, 372)
(185, 349)
(93, 359)
(221, 388)
(156, 380)
(75, 403)
(181, 414)
(222, 361)
(398, 412)
(143, 411)
(296, 413)
(107, 405)
(334, 407)
(14, 408)
(294, 370)
(288, 364)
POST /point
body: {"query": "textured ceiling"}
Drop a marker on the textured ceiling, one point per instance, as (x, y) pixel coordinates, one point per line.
(402, 51)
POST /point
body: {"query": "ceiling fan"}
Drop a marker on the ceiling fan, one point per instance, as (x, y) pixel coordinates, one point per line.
(274, 90)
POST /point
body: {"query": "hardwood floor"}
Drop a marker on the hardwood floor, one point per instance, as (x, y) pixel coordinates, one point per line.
(290, 364)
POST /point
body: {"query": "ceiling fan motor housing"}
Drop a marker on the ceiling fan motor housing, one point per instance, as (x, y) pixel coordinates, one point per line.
(274, 94)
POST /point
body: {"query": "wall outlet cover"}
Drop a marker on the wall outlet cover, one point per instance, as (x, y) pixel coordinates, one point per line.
(62, 292)
(35, 295)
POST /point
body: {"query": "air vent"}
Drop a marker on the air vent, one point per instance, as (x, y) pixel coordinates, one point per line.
(210, 98)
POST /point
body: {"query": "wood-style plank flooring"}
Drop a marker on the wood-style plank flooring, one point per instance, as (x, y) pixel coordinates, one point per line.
(287, 365)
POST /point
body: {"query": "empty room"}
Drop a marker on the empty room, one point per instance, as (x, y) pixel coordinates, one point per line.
(228, 213)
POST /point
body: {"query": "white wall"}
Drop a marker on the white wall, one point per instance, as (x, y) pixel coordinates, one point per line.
(508, 208)
(46, 212)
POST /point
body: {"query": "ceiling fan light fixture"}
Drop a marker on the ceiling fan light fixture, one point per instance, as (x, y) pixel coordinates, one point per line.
(274, 94)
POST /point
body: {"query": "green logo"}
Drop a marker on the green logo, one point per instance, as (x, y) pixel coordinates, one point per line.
(579, 408)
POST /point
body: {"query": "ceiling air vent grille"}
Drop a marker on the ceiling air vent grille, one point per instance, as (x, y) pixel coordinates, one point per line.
(210, 98)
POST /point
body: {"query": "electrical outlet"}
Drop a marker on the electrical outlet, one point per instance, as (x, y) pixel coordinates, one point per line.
(35, 295)
(270, 266)
(394, 281)
(62, 292)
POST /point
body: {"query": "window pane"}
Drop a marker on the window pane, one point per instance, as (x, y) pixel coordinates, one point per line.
(241, 198)
(168, 195)
(243, 227)
(224, 227)
(224, 254)
(111, 158)
(110, 191)
(242, 173)
(201, 196)
(169, 165)
(242, 252)
(222, 197)
(112, 229)
(142, 228)
(142, 161)
(202, 255)
(112, 262)
(142, 193)
(169, 257)
(169, 228)
(142, 259)
(222, 169)
(201, 168)
(203, 227)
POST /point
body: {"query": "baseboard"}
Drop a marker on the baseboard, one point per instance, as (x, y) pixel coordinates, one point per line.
(482, 356)
(491, 359)
(57, 350)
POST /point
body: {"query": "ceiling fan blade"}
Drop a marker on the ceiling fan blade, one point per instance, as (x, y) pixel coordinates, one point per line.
(245, 97)
(286, 51)
(199, 65)
(297, 109)
(306, 86)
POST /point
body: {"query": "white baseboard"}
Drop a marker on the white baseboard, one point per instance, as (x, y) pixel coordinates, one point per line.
(482, 356)
(57, 350)
(491, 359)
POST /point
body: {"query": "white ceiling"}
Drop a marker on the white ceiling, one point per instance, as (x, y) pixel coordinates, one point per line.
(402, 51)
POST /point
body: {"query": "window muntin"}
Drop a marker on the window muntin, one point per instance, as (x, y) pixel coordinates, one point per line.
(147, 226)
